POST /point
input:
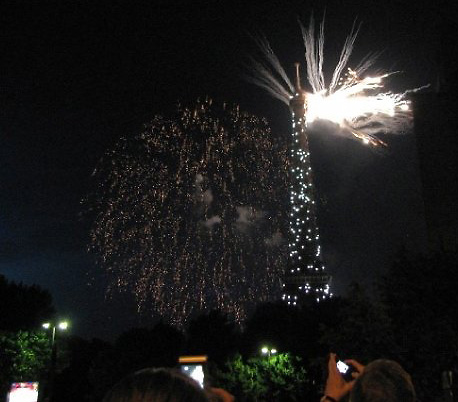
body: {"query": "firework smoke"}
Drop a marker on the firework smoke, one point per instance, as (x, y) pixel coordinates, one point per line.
(187, 213)
(358, 105)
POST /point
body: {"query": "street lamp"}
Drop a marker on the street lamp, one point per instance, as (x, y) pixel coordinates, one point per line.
(62, 325)
(268, 351)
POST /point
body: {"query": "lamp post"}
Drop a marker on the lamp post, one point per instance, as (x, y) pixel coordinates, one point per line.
(62, 325)
(265, 350)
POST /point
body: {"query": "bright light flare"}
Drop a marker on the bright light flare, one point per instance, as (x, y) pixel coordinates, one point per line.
(63, 325)
(345, 105)
(354, 103)
(357, 103)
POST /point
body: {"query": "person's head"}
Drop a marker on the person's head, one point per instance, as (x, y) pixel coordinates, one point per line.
(383, 381)
(156, 385)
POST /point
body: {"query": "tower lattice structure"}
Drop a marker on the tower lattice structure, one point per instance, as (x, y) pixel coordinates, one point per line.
(305, 273)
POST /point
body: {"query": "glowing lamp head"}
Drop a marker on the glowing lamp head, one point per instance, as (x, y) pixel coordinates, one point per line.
(63, 325)
(46, 325)
(264, 350)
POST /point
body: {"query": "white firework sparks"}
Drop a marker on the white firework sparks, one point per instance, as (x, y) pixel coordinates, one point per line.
(357, 104)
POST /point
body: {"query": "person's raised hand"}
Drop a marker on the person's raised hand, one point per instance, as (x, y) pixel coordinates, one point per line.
(358, 366)
(336, 387)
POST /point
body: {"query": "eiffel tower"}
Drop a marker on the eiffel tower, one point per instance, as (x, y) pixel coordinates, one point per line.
(305, 274)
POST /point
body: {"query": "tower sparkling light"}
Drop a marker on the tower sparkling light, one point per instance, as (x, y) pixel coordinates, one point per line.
(305, 272)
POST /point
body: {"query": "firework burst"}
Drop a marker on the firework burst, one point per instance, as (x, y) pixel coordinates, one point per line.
(357, 104)
(187, 213)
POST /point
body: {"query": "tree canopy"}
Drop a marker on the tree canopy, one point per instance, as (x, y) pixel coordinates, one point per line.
(23, 307)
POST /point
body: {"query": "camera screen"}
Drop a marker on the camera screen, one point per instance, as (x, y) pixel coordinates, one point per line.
(342, 367)
(23, 392)
(195, 371)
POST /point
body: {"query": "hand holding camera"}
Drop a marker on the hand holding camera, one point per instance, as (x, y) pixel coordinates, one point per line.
(341, 377)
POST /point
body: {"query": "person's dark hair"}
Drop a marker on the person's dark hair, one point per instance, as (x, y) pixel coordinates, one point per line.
(383, 381)
(156, 385)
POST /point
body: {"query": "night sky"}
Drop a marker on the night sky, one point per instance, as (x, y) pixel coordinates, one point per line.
(76, 76)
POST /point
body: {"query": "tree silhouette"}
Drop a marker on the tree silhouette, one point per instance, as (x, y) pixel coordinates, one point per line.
(23, 307)
(361, 330)
(422, 302)
(135, 349)
(214, 335)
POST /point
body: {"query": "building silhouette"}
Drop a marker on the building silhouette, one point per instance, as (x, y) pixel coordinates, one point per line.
(436, 132)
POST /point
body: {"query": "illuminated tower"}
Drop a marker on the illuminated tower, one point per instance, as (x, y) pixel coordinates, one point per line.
(305, 272)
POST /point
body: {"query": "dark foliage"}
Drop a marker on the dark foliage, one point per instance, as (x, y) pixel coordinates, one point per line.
(23, 307)
(73, 383)
(422, 302)
(361, 328)
(135, 349)
(213, 335)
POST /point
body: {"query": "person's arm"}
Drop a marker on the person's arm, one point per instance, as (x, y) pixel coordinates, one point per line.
(336, 387)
